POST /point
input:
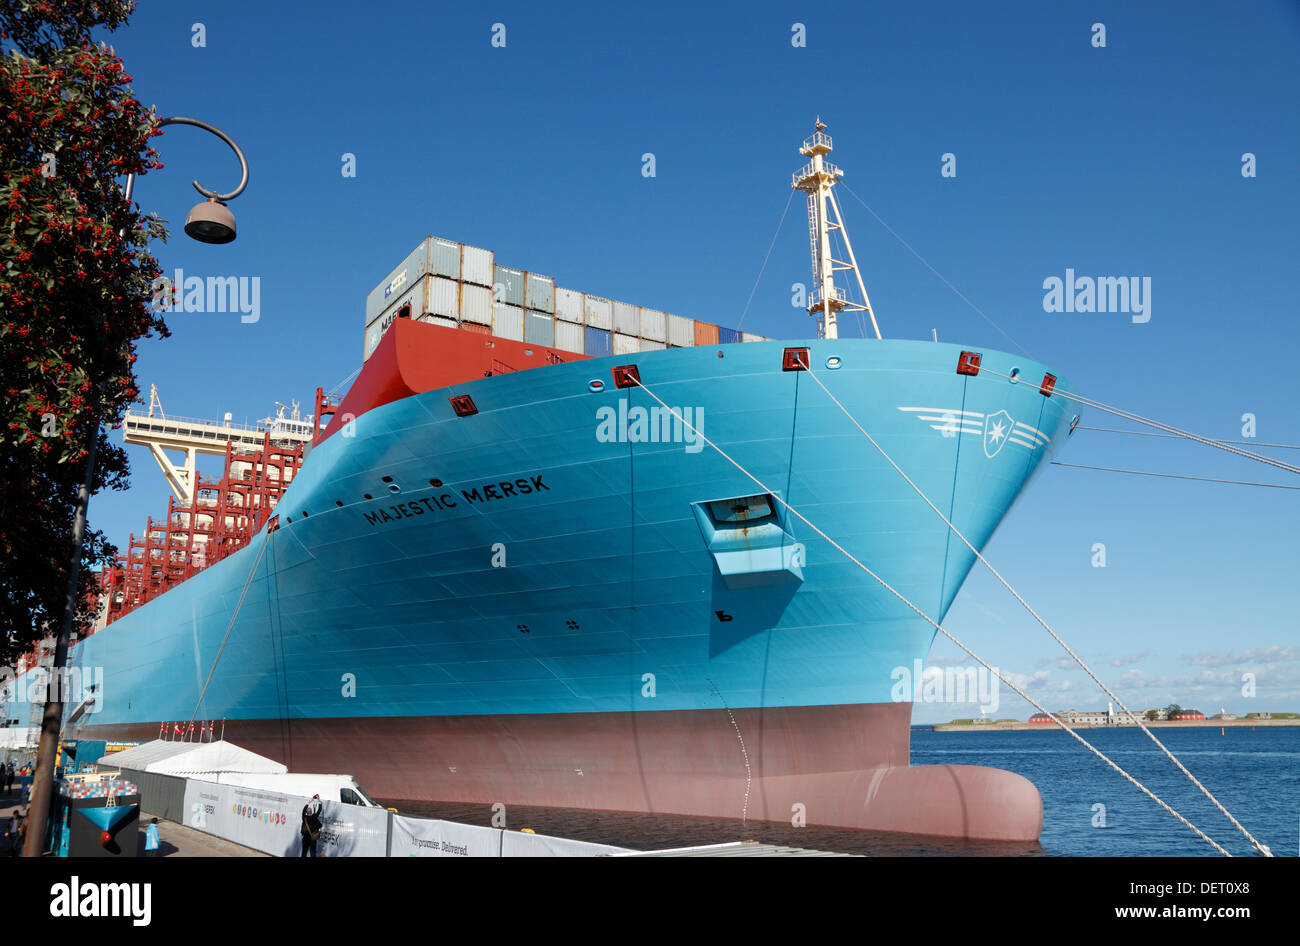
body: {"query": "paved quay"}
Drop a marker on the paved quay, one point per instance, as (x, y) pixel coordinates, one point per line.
(174, 840)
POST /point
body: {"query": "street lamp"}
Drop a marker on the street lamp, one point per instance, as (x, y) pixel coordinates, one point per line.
(211, 220)
(208, 222)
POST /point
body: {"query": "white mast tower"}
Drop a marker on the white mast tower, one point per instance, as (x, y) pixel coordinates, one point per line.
(816, 178)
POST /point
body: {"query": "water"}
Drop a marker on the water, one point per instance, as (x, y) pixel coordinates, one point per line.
(1255, 773)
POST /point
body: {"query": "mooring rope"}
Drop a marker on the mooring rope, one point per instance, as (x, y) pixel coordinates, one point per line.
(1263, 849)
(1137, 418)
(897, 594)
(763, 268)
(1172, 476)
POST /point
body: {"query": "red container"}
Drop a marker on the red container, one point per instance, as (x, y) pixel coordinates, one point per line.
(706, 334)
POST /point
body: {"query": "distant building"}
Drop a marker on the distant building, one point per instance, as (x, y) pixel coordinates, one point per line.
(1078, 718)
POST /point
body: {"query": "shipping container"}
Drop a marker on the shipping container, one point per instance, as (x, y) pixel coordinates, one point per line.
(568, 336)
(568, 305)
(539, 293)
(652, 325)
(626, 344)
(443, 297)
(627, 318)
(475, 328)
(475, 304)
(681, 332)
(649, 344)
(596, 342)
(398, 281)
(508, 321)
(727, 336)
(476, 266)
(439, 320)
(373, 335)
(751, 337)
(706, 333)
(508, 285)
(599, 312)
(444, 258)
(411, 303)
(539, 328)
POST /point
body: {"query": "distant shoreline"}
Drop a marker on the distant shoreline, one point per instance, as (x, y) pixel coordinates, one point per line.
(1152, 723)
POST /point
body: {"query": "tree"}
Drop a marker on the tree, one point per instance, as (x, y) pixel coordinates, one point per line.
(75, 292)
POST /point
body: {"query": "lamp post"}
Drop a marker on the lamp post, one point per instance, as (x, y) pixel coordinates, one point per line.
(208, 222)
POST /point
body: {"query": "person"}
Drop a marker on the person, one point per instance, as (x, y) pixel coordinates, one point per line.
(16, 833)
(311, 825)
(151, 839)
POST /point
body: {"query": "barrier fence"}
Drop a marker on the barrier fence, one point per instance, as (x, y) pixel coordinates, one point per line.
(271, 822)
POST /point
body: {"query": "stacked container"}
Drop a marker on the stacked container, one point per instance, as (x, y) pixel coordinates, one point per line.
(456, 286)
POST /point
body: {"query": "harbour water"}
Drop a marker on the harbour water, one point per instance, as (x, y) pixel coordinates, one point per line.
(1255, 773)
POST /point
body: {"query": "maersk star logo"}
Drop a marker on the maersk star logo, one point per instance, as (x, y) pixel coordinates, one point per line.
(997, 428)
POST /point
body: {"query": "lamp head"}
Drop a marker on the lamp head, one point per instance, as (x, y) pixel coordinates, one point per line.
(211, 222)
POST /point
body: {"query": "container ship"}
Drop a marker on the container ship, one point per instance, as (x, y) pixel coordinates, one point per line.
(545, 552)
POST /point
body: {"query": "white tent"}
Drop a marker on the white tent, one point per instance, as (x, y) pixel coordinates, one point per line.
(192, 759)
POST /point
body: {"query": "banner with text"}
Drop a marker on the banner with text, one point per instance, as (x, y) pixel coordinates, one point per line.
(263, 820)
(425, 837)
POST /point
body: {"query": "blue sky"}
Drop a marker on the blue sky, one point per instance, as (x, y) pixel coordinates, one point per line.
(1123, 160)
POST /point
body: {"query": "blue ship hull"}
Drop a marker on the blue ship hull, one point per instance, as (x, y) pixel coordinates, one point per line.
(543, 566)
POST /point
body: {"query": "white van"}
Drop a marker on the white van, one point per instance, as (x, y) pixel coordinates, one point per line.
(340, 788)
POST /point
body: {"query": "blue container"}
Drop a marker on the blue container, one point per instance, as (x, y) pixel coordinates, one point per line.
(728, 336)
(597, 342)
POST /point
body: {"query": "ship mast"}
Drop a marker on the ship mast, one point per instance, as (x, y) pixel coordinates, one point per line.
(816, 179)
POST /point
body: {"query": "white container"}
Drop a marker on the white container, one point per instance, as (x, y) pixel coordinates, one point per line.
(751, 337)
(649, 344)
(508, 285)
(475, 304)
(599, 312)
(508, 321)
(476, 266)
(568, 305)
(444, 258)
(439, 320)
(399, 281)
(568, 336)
(373, 335)
(627, 318)
(412, 300)
(653, 325)
(443, 297)
(681, 332)
(626, 344)
(539, 293)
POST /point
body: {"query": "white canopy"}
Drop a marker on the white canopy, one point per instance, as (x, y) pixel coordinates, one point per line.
(192, 759)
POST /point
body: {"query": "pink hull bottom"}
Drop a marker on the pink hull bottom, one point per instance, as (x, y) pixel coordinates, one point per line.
(836, 766)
